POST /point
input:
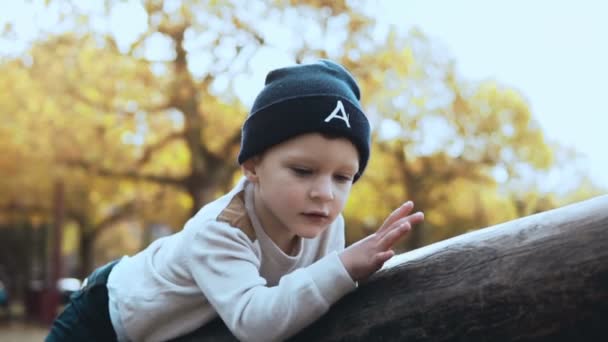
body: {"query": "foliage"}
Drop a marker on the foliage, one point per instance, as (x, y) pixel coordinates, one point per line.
(143, 131)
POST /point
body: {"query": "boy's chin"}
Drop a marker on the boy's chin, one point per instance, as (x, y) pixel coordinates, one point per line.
(308, 236)
(311, 233)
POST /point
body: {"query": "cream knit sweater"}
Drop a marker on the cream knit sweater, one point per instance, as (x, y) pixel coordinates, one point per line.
(223, 263)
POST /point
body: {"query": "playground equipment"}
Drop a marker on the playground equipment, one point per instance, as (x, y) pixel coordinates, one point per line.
(539, 278)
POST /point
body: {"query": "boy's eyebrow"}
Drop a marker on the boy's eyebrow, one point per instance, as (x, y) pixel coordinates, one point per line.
(350, 168)
(295, 158)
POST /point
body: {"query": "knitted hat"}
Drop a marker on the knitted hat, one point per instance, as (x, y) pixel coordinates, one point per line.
(322, 97)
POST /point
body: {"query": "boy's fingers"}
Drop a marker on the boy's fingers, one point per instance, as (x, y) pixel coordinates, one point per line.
(382, 257)
(391, 237)
(416, 218)
(397, 214)
(411, 219)
(400, 228)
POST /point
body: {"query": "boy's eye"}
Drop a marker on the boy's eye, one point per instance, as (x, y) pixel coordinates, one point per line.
(300, 171)
(343, 178)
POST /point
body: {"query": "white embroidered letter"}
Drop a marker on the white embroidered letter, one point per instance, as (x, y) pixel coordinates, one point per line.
(339, 113)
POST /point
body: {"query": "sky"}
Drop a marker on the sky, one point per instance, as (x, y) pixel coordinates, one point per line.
(554, 52)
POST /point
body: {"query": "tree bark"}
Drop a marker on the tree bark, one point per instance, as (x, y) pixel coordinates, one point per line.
(86, 253)
(539, 278)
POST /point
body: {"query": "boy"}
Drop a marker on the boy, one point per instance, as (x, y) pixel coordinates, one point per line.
(271, 251)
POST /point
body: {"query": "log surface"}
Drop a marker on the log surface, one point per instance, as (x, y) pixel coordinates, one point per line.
(539, 278)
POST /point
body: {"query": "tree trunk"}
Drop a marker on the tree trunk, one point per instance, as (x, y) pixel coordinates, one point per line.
(539, 278)
(86, 252)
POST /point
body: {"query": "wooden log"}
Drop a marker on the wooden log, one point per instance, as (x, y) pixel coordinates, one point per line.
(539, 278)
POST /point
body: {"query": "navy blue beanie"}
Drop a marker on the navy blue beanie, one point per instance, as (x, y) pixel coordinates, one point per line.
(308, 98)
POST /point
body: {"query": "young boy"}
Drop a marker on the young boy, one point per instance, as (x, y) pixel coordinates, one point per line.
(268, 257)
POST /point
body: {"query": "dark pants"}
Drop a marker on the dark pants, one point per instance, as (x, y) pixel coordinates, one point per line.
(87, 316)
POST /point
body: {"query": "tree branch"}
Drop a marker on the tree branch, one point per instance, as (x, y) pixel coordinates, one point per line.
(12, 207)
(105, 107)
(118, 213)
(234, 140)
(82, 164)
(151, 149)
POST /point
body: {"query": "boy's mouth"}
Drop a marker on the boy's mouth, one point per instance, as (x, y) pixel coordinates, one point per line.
(316, 214)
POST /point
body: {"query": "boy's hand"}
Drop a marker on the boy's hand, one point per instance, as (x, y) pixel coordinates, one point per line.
(366, 256)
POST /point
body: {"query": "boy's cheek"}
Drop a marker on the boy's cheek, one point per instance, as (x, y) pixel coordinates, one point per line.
(342, 198)
(345, 192)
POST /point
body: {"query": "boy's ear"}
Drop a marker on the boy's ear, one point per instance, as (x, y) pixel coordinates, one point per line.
(249, 169)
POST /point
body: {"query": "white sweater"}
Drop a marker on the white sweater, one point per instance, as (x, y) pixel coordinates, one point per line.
(223, 263)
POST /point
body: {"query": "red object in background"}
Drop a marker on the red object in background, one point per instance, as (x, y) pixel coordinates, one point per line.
(49, 297)
(49, 303)
(41, 303)
(58, 215)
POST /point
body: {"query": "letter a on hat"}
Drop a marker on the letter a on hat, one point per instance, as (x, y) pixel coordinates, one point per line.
(338, 113)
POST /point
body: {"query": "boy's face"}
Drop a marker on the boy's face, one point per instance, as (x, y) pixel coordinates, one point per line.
(301, 185)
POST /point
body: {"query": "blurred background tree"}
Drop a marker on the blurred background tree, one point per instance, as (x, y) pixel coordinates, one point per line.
(136, 107)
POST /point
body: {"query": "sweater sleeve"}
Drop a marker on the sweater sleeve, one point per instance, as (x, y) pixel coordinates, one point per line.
(225, 265)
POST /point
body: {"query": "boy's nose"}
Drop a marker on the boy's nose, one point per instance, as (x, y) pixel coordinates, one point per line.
(322, 189)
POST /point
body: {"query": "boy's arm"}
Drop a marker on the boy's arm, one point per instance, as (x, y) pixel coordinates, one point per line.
(226, 267)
